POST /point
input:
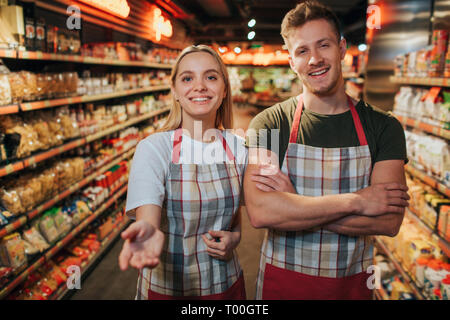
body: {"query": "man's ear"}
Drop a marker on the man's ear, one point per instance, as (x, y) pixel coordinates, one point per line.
(343, 47)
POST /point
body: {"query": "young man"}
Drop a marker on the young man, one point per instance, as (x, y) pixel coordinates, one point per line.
(341, 179)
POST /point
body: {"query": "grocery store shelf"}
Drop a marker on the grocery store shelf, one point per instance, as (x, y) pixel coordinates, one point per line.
(439, 82)
(21, 164)
(8, 109)
(443, 244)
(440, 132)
(37, 105)
(60, 244)
(432, 182)
(62, 292)
(407, 279)
(37, 55)
(75, 187)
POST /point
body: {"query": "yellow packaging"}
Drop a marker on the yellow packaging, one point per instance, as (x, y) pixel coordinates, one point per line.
(397, 289)
(419, 249)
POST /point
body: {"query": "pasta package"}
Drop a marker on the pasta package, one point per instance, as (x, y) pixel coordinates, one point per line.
(11, 201)
(35, 238)
(48, 228)
(12, 252)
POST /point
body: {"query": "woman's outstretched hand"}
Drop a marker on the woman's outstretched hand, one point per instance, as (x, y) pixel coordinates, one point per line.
(143, 246)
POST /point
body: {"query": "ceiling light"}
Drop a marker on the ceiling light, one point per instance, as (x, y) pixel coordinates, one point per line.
(362, 47)
(251, 35)
(222, 49)
(252, 23)
(237, 50)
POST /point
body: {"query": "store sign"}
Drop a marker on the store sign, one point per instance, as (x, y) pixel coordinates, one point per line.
(161, 26)
(118, 8)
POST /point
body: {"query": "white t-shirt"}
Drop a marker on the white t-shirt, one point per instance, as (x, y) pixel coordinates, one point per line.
(150, 165)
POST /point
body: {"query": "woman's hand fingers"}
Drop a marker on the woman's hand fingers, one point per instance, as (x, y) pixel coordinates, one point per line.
(212, 243)
(125, 255)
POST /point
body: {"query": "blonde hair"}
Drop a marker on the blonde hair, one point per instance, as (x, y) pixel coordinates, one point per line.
(224, 116)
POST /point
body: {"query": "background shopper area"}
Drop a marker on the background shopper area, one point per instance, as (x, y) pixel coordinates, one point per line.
(78, 92)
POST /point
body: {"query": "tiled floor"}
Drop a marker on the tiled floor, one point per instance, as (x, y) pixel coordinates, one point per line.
(107, 282)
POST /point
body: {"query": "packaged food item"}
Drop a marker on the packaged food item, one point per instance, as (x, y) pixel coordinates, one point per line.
(445, 288)
(433, 276)
(11, 201)
(62, 221)
(63, 41)
(48, 228)
(58, 275)
(43, 131)
(35, 238)
(69, 127)
(51, 39)
(40, 41)
(30, 83)
(5, 274)
(17, 86)
(12, 252)
(26, 196)
(421, 264)
(444, 222)
(55, 129)
(5, 88)
(30, 250)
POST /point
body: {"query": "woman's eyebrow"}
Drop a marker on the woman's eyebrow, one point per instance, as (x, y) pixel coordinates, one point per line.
(190, 72)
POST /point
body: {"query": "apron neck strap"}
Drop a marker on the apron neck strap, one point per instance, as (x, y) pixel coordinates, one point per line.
(178, 136)
(356, 120)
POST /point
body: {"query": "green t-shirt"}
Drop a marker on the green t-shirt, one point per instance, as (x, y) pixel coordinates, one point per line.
(384, 133)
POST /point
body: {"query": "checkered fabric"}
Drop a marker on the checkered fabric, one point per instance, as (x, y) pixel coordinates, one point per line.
(317, 172)
(199, 198)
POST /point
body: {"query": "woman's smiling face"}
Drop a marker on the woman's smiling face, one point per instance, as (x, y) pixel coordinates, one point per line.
(199, 86)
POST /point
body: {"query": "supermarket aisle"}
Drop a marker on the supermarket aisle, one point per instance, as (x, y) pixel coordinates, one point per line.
(106, 281)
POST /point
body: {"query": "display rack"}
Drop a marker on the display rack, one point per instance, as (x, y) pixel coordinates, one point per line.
(37, 55)
(407, 279)
(421, 175)
(443, 244)
(429, 180)
(60, 244)
(437, 82)
(37, 105)
(426, 127)
(86, 266)
(21, 164)
(75, 187)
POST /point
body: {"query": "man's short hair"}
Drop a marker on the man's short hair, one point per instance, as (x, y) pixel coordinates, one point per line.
(305, 12)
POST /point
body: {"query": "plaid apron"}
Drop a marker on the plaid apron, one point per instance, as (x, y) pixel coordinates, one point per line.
(199, 198)
(319, 264)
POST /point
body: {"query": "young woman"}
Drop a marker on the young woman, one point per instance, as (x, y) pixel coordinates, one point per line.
(184, 191)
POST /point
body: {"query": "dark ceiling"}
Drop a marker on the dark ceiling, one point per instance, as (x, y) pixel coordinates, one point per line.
(224, 21)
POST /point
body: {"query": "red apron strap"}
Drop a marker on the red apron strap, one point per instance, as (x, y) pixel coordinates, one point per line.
(226, 147)
(177, 146)
(296, 121)
(357, 122)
